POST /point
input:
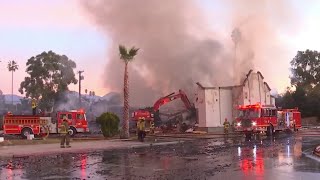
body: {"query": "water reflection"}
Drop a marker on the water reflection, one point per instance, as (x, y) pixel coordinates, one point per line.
(165, 163)
(83, 166)
(254, 152)
(303, 149)
(282, 154)
(239, 151)
(251, 160)
(126, 165)
(193, 160)
(12, 170)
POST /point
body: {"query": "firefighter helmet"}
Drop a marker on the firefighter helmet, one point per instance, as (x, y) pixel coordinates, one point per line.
(33, 103)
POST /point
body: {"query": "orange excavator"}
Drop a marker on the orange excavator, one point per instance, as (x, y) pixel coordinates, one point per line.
(149, 114)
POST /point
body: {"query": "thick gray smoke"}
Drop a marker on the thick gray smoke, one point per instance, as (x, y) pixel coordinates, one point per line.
(176, 50)
(259, 45)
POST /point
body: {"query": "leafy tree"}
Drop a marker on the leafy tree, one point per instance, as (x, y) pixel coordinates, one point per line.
(12, 67)
(293, 99)
(126, 56)
(285, 100)
(109, 123)
(306, 69)
(312, 104)
(49, 77)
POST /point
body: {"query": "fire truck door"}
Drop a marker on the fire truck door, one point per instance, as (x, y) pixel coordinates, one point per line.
(71, 118)
(287, 119)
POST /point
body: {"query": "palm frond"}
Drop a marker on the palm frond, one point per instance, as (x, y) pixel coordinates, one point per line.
(13, 66)
(133, 51)
(126, 55)
(123, 52)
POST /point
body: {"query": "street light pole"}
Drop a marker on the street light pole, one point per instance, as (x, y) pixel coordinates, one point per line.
(80, 78)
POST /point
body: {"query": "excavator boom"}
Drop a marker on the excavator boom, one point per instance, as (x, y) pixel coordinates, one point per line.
(171, 97)
(163, 100)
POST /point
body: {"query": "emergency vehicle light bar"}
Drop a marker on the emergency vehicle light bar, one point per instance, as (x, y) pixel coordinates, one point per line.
(258, 105)
(249, 106)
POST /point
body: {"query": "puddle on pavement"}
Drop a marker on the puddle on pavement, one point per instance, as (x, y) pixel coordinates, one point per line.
(199, 159)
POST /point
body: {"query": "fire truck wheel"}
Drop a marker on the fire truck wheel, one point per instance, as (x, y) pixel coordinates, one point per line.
(25, 132)
(73, 131)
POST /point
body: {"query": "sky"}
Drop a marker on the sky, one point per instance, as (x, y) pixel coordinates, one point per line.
(28, 28)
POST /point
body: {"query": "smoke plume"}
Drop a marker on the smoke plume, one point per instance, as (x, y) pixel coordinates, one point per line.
(260, 22)
(177, 48)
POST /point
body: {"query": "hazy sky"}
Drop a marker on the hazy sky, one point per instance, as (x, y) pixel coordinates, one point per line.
(28, 28)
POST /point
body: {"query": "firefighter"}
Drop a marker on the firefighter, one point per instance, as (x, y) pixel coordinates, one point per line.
(64, 131)
(152, 127)
(34, 106)
(141, 129)
(226, 126)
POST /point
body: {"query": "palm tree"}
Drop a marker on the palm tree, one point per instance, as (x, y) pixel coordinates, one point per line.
(12, 66)
(127, 56)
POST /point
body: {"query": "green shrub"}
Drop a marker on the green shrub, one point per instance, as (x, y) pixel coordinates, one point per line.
(109, 123)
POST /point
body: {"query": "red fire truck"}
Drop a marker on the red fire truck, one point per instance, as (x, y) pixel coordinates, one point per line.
(266, 118)
(141, 113)
(44, 125)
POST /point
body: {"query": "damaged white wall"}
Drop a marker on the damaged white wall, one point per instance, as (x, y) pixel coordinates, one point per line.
(214, 104)
(255, 90)
(225, 104)
(201, 108)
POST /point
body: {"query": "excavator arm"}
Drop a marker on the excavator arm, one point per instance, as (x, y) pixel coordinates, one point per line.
(150, 114)
(171, 97)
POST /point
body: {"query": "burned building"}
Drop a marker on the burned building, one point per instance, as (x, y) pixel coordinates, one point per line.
(214, 104)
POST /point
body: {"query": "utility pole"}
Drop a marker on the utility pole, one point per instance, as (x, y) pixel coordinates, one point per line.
(80, 78)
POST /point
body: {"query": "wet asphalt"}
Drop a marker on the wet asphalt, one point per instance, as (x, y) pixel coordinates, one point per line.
(286, 156)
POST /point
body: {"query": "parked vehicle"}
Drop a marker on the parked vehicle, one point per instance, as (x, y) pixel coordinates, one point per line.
(266, 118)
(44, 125)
